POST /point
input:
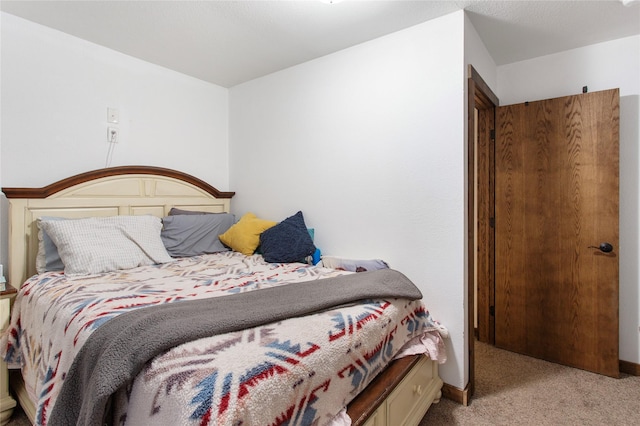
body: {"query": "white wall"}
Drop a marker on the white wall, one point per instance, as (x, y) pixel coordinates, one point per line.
(369, 144)
(476, 54)
(599, 67)
(614, 64)
(55, 90)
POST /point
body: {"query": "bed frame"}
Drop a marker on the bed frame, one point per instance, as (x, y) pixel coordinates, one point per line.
(400, 395)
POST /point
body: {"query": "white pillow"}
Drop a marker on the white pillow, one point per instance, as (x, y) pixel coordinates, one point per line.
(103, 244)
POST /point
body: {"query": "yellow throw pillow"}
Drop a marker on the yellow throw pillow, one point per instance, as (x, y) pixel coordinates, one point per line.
(244, 236)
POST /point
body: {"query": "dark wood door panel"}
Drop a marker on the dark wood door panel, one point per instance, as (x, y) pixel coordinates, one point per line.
(557, 197)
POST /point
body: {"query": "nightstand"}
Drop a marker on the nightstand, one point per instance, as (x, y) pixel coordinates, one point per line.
(9, 293)
(7, 403)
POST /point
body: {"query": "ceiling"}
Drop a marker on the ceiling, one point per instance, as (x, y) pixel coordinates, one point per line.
(230, 42)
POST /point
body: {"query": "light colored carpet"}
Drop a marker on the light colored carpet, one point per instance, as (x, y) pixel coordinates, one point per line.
(513, 389)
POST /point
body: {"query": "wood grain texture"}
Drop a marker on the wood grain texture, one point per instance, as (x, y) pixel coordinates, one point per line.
(557, 178)
(510, 329)
(485, 213)
(630, 368)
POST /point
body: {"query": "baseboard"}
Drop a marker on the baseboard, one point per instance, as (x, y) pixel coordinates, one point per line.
(629, 368)
(461, 396)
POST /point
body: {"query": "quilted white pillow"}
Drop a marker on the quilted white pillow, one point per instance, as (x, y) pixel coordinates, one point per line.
(103, 244)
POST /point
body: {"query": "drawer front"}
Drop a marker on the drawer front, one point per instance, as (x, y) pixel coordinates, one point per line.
(414, 394)
(378, 417)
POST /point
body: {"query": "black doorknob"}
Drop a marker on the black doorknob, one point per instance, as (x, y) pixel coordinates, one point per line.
(604, 247)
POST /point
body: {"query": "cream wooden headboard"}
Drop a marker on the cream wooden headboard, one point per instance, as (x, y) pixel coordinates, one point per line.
(127, 190)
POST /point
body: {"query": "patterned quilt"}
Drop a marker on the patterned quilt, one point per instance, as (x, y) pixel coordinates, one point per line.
(297, 371)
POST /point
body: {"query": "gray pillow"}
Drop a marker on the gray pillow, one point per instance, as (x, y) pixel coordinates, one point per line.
(193, 235)
(48, 258)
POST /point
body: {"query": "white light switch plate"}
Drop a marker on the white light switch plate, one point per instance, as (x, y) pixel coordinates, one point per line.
(112, 115)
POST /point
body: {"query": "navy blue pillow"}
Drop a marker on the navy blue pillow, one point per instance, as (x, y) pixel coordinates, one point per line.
(288, 241)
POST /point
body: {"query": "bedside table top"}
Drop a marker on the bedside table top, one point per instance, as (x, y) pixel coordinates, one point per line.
(9, 292)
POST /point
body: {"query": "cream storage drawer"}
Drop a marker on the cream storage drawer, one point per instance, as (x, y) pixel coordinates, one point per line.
(411, 398)
(379, 417)
(409, 402)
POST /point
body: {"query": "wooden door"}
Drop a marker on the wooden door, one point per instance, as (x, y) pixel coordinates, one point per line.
(556, 195)
(485, 205)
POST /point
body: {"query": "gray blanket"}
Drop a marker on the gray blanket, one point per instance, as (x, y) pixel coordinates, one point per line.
(117, 351)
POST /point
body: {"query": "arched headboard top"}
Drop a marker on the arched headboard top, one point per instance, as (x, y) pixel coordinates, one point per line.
(93, 175)
(115, 191)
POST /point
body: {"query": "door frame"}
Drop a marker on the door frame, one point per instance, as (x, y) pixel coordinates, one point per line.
(479, 97)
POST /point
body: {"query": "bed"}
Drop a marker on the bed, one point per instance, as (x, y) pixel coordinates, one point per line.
(327, 364)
